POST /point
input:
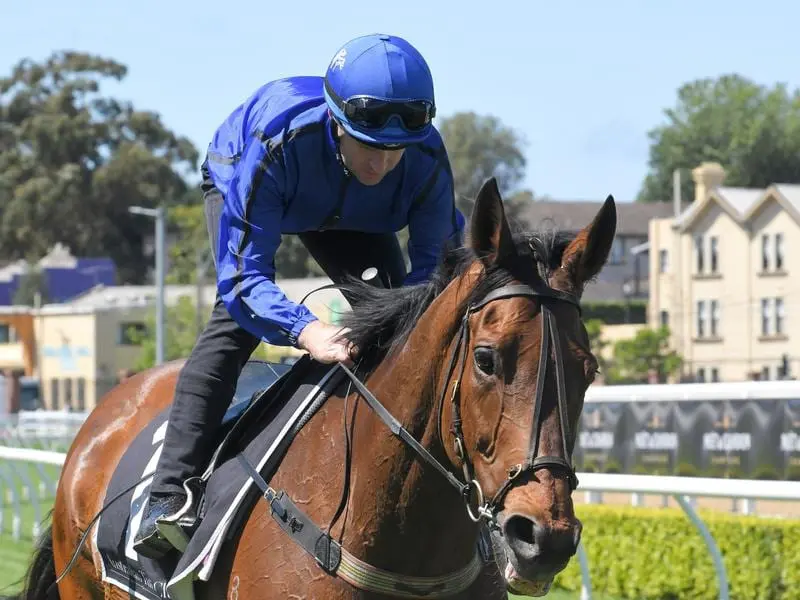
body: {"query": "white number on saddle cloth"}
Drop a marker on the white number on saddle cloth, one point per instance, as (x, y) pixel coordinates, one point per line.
(140, 492)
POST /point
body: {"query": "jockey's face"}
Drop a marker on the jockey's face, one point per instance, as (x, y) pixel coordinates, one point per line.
(369, 165)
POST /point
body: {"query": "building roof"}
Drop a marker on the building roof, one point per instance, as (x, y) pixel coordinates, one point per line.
(127, 296)
(64, 274)
(633, 218)
(742, 203)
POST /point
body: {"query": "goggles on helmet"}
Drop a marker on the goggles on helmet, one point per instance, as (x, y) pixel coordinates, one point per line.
(373, 113)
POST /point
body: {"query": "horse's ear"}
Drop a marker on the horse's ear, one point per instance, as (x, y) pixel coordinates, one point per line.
(587, 253)
(490, 235)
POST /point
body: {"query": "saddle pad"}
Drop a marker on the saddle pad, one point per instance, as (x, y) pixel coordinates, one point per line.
(226, 489)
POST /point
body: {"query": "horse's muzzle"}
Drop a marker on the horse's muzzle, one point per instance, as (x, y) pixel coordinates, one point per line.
(530, 554)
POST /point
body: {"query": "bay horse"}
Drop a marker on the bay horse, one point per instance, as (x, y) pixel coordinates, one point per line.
(480, 371)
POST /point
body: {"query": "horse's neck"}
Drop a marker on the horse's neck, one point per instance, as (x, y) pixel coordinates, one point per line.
(405, 515)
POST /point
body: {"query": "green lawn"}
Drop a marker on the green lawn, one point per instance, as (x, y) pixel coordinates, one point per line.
(15, 555)
(14, 559)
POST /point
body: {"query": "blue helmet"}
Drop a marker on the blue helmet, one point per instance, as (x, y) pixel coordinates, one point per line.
(380, 90)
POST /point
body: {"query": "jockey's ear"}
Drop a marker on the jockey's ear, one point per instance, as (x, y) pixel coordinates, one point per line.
(489, 233)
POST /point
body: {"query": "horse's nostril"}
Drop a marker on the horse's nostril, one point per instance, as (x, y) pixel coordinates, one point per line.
(521, 529)
(522, 534)
(532, 541)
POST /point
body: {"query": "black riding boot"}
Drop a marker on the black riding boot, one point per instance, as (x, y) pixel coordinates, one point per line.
(203, 393)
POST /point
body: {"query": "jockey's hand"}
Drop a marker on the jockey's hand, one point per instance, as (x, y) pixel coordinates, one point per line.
(326, 343)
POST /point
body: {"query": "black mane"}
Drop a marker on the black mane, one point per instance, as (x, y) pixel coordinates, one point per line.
(382, 319)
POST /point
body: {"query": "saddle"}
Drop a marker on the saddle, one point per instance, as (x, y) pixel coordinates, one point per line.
(260, 388)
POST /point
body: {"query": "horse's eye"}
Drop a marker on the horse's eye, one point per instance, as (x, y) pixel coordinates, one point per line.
(484, 359)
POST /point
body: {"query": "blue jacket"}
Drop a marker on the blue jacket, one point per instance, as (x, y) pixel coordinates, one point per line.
(275, 162)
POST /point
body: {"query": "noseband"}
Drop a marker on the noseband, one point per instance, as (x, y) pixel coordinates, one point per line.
(488, 510)
(533, 463)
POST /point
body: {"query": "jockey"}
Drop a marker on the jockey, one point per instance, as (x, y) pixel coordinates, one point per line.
(343, 162)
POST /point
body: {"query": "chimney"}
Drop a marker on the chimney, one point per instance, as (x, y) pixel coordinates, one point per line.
(676, 193)
(707, 176)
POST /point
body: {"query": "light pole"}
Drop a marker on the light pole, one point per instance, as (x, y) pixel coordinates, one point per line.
(627, 292)
(158, 215)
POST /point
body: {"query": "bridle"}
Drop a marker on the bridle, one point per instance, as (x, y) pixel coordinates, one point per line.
(532, 462)
(488, 510)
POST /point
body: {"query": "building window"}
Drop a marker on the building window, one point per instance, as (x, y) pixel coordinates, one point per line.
(713, 254)
(664, 318)
(778, 251)
(765, 252)
(773, 316)
(617, 252)
(714, 318)
(765, 316)
(765, 373)
(701, 375)
(8, 335)
(698, 253)
(663, 264)
(701, 318)
(68, 394)
(714, 374)
(131, 334)
(80, 394)
(55, 399)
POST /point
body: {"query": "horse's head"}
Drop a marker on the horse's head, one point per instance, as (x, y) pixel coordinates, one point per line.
(513, 391)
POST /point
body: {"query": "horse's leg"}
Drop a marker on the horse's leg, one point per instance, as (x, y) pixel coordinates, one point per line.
(82, 581)
(86, 473)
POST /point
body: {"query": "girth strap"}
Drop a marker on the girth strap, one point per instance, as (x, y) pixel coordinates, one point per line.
(335, 560)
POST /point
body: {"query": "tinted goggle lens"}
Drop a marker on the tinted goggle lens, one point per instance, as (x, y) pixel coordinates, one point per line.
(375, 114)
(372, 113)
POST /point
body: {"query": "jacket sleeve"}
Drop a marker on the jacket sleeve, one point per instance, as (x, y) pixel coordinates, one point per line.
(434, 223)
(250, 234)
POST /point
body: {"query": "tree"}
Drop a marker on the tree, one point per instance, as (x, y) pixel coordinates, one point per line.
(751, 130)
(73, 160)
(180, 336)
(594, 329)
(31, 283)
(648, 351)
(480, 147)
(188, 226)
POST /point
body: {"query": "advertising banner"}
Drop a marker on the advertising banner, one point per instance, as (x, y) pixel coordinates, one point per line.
(751, 439)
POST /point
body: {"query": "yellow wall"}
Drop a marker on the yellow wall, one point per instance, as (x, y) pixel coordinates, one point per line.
(67, 355)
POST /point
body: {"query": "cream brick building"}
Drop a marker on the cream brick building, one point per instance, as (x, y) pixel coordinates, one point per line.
(724, 277)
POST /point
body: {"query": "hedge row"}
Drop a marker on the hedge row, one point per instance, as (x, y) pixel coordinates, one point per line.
(614, 312)
(657, 554)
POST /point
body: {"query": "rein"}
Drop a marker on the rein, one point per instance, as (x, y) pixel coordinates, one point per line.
(336, 560)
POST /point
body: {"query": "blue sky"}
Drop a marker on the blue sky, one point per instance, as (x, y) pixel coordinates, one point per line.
(582, 82)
